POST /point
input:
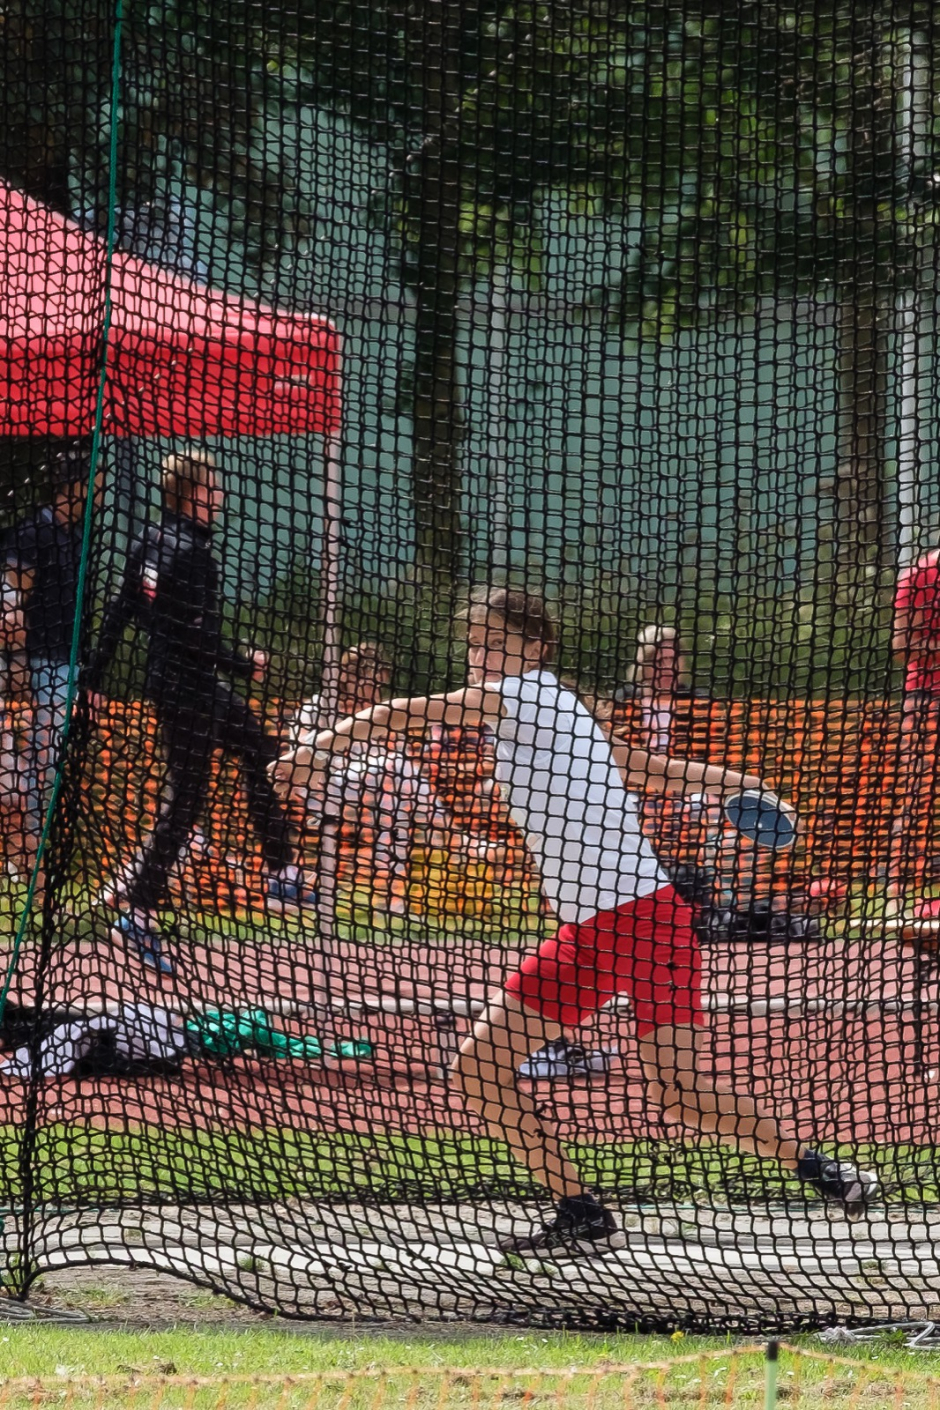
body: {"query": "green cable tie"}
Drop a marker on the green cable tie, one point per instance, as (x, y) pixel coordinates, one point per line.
(770, 1380)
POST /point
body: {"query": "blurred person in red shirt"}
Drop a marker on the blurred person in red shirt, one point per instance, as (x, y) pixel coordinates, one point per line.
(916, 642)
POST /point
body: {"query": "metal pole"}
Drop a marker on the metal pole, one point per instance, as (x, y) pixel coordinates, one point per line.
(330, 576)
(496, 405)
(908, 428)
(913, 123)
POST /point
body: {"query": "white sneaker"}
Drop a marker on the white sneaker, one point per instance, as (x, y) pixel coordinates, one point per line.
(560, 1060)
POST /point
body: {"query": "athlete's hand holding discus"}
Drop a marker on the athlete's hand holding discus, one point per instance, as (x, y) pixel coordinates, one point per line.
(749, 805)
(763, 818)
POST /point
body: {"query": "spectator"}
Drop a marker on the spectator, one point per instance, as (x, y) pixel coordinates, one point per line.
(365, 673)
(42, 560)
(915, 642)
(377, 791)
(703, 857)
(659, 677)
(20, 838)
(171, 589)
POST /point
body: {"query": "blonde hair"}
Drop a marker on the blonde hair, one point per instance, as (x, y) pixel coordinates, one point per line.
(183, 472)
(654, 635)
(523, 613)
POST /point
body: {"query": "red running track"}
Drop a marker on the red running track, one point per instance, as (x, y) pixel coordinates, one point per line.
(867, 1077)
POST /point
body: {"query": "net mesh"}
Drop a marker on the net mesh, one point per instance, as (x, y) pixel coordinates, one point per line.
(354, 353)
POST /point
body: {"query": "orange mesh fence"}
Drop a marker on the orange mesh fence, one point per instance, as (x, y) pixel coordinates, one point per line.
(480, 853)
(734, 1376)
(840, 762)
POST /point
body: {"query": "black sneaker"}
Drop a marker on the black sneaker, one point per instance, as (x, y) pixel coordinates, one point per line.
(581, 1226)
(840, 1182)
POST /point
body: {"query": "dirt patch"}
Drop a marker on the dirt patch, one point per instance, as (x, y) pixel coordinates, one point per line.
(136, 1298)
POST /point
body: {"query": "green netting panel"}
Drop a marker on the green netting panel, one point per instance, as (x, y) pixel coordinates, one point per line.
(565, 374)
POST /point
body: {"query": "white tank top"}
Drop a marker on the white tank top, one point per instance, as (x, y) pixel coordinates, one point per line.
(557, 773)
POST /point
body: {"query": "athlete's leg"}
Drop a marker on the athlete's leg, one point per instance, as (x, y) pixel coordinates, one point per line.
(48, 684)
(340, 808)
(485, 1072)
(676, 1083)
(400, 844)
(393, 817)
(20, 840)
(139, 891)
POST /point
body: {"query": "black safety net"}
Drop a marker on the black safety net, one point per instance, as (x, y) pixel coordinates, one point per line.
(470, 677)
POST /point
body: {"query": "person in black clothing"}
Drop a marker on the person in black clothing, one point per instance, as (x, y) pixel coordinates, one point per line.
(170, 589)
(42, 554)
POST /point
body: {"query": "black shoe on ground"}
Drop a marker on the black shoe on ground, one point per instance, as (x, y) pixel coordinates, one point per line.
(581, 1227)
(839, 1181)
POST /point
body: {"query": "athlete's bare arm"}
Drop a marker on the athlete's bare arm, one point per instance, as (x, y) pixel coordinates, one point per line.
(472, 705)
(662, 773)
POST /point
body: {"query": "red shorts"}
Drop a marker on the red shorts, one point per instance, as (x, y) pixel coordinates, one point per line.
(645, 948)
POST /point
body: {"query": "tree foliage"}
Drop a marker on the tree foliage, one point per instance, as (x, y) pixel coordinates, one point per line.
(747, 151)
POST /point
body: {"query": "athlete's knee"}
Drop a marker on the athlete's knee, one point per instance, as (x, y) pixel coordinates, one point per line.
(660, 1069)
(672, 1105)
(670, 1087)
(662, 1093)
(483, 1065)
(465, 1069)
(479, 1083)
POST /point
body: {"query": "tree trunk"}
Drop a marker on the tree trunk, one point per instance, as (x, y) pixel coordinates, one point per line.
(432, 214)
(859, 507)
(866, 280)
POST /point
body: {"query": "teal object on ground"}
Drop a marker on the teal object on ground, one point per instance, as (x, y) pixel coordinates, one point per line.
(228, 1032)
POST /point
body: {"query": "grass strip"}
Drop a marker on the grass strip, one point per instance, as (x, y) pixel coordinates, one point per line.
(602, 1372)
(84, 1164)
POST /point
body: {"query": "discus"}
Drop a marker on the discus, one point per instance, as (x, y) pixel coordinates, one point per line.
(762, 818)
